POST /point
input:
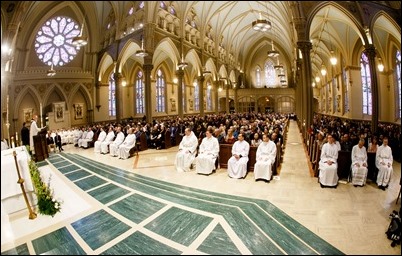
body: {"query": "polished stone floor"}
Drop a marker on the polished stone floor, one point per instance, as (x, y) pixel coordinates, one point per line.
(143, 206)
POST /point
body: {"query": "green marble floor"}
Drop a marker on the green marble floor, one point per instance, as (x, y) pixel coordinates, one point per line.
(142, 215)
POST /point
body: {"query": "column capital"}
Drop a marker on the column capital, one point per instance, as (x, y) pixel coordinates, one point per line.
(304, 45)
(370, 50)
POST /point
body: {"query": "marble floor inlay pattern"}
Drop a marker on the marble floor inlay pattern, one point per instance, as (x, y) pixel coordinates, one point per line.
(143, 206)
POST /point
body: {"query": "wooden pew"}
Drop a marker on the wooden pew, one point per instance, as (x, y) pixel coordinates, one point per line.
(142, 144)
(372, 169)
(344, 163)
(168, 143)
(225, 152)
(317, 161)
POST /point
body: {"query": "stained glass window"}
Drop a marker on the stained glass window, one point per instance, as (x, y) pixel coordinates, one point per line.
(270, 74)
(139, 93)
(53, 43)
(209, 96)
(366, 84)
(160, 92)
(112, 96)
(196, 97)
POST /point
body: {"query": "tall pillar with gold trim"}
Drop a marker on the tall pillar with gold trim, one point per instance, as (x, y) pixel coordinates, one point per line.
(371, 53)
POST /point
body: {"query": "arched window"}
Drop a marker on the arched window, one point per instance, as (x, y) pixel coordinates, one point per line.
(258, 77)
(160, 91)
(53, 43)
(139, 93)
(366, 84)
(270, 74)
(398, 84)
(209, 96)
(196, 96)
(112, 96)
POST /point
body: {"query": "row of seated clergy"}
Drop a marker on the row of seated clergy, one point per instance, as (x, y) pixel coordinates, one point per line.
(330, 163)
(123, 150)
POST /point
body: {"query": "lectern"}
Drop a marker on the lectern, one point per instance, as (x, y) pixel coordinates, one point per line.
(40, 145)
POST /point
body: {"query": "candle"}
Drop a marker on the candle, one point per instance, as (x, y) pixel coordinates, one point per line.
(40, 108)
(16, 138)
(12, 142)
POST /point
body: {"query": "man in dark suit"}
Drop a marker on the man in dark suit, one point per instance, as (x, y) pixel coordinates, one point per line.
(25, 134)
(57, 141)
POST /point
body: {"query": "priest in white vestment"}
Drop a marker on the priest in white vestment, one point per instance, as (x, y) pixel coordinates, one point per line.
(109, 139)
(237, 163)
(265, 159)
(33, 131)
(128, 143)
(187, 151)
(359, 164)
(328, 164)
(208, 152)
(383, 161)
(88, 137)
(101, 138)
(114, 146)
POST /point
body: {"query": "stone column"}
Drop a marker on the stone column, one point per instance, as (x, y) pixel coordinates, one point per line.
(227, 109)
(371, 53)
(306, 90)
(147, 88)
(180, 98)
(117, 79)
(216, 88)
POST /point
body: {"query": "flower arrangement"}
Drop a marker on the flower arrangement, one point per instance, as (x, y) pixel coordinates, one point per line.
(47, 205)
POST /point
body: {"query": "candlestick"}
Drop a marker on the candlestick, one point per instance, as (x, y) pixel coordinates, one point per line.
(40, 117)
(12, 142)
(16, 138)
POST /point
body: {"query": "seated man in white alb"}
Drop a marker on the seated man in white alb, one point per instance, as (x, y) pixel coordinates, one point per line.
(265, 158)
(383, 161)
(359, 164)
(187, 150)
(237, 163)
(88, 137)
(81, 135)
(328, 164)
(128, 143)
(208, 152)
(101, 138)
(114, 146)
(109, 139)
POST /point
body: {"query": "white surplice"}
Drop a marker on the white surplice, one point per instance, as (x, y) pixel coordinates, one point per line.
(383, 162)
(114, 146)
(208, 152)
(128, 143)
(237, 168)
(265, 158)
(97, 144)
(329, 173)
(187, 151)
(359, 172)
(105, 144)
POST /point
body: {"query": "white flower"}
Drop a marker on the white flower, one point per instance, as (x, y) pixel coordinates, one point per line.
(53, 200)
(56, 205)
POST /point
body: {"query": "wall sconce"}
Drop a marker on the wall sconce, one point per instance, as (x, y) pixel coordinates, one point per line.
(175, 80)
(123, 82)
(380, 65)
(317, 79)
